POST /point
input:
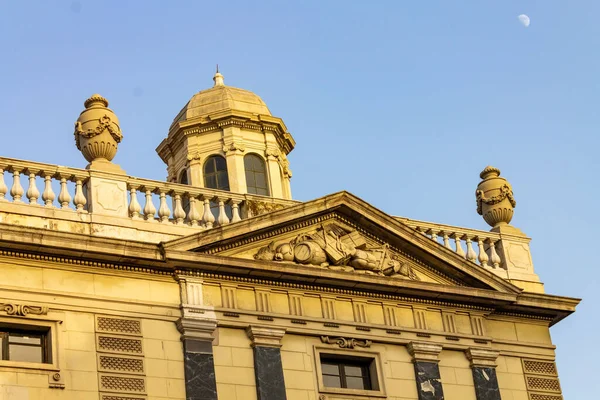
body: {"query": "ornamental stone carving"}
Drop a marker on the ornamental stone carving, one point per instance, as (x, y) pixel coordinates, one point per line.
(495, 201)
(346, 343)
(97, 131)
(23, 310)
(333, 247)
(261, 207)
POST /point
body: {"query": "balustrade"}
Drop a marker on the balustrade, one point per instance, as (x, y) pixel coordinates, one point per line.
(480, 245)
(190, 206)
(184, 205)
(70, 180)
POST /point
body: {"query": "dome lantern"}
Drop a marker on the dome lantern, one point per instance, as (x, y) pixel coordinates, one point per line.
(226, 138)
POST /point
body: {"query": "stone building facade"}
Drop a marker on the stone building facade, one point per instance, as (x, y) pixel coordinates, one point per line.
(216, 284)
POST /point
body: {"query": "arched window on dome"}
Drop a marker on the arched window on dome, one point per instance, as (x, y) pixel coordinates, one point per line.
(183, 177)
(215, 173)
(256, 175)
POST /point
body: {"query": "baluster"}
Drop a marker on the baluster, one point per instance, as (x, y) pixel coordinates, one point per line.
(471, 255)
(149, 208)
(64, 198)
(178, 212)
(208, 218)
(459, 248)
(17, 190)
(193, 215)
(483, 257)
(32, 192)
(3, 187)
(134, 204)
(223, 218)
(163, 209)
(446, 240)
(235, 209)
(48, 196)
(79, 200)
(434, 235)
(494, 257)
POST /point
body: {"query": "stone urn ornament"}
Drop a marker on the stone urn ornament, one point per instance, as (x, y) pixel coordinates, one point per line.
(495, 201)
(97, 134)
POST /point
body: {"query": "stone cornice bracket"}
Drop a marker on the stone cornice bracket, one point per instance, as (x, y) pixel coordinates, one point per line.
(22, 310)
(482, 357)
(265, 336)
(424, 352)
(346, 343)
(196, 329)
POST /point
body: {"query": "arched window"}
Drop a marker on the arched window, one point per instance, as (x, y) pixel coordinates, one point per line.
(183, 178)
(256, 175)
(215, 173)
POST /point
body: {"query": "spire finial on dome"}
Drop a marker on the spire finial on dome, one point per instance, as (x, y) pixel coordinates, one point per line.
(218, 78)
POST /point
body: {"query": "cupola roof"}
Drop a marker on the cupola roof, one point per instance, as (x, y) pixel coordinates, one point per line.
(221, 98)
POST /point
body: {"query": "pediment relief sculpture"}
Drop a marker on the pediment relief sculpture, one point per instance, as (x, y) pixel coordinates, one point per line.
(334, 247)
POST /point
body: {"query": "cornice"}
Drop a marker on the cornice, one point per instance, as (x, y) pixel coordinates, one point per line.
(135, 257)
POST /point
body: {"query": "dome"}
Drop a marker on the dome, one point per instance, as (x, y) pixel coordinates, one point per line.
(221, 98)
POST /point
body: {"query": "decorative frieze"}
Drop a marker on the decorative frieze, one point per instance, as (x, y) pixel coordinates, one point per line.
(420, 319)
(296, 305)
(345, 343)
(22, 310)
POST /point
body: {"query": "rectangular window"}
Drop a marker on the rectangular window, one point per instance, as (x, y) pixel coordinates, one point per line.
(348, 372)
(25, 345)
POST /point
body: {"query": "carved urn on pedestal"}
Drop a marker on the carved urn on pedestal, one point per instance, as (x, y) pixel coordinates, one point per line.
(97, 132)
(495, 201)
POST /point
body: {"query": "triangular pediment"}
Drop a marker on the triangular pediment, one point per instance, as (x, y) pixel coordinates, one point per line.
(341, 233)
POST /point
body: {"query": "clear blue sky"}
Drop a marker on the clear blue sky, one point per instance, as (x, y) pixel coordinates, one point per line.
(399, 102)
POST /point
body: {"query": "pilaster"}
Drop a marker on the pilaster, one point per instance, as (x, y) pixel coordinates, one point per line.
(272, 156)
(427, 372)
(483, 365)
(197, 329)
(234, 148)
(268, 368)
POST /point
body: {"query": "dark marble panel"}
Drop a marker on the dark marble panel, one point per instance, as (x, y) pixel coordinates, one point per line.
(429, 384)
(200, 383)
(269, 373)
(486, 383)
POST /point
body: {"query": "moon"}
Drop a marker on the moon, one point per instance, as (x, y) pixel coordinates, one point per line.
(524, 19)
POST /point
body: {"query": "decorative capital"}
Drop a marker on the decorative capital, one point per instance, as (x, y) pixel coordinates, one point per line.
(234, 147)
(22, 310)
(482, 357)
(265, 336)
(272, 154)
(421, 351)
(196, 328)
(346, 343)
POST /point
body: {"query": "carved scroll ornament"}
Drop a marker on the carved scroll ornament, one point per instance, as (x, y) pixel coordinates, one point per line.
(23, 310)
(346, 343)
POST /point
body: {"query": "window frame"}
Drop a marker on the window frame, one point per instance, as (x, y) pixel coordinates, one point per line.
(204, 174)
(29, 324)
(375, 371)
(45, 345)
(254, 172)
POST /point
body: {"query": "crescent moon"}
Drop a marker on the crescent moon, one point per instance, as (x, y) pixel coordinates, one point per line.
(524, 19)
